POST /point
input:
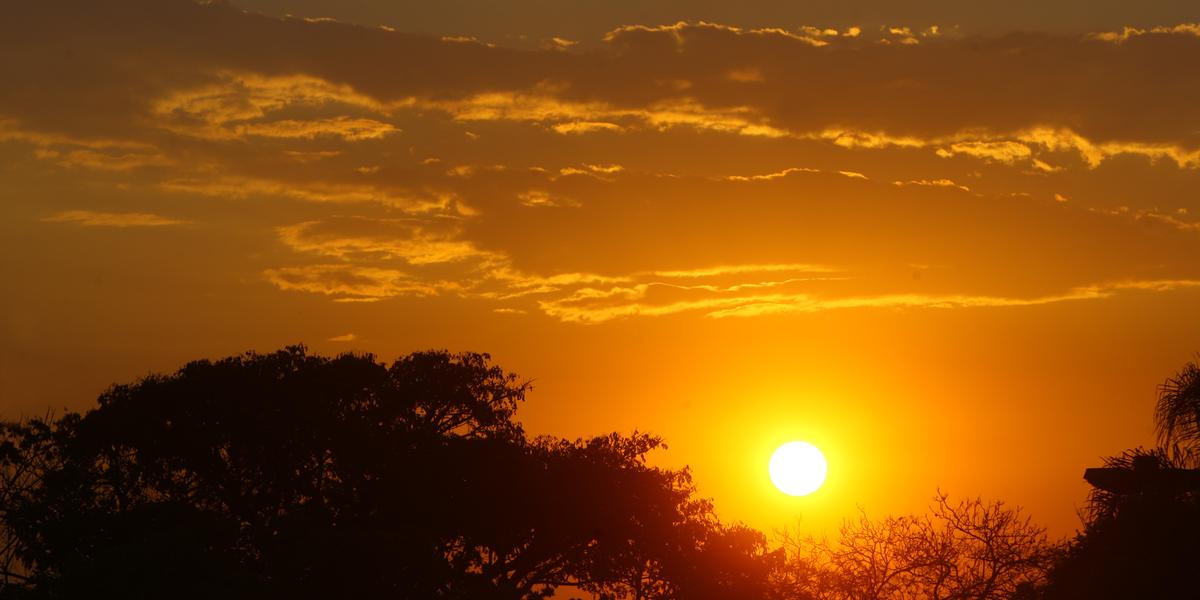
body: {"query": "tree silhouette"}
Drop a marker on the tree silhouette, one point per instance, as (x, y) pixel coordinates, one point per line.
(1141, 536)
(969, 550)
(1140, 540)
(290, 475)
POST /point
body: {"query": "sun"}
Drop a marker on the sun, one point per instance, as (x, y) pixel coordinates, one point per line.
(797, 468)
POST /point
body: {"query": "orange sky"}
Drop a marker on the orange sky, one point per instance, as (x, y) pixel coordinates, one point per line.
(948, 254)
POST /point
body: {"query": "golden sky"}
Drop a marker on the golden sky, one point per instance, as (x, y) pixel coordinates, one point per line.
(951, 249)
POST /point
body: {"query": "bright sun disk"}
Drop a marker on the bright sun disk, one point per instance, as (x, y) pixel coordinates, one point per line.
(797, 468)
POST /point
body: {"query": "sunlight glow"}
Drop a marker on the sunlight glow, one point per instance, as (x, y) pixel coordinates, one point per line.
(797, 468)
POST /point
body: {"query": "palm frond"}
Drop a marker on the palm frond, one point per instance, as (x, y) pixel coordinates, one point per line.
(1177, 416)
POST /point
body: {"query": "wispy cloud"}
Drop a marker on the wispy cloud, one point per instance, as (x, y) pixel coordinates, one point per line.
(412, 241)
(350, 283)
(235, 187)
(571, 116)
(242, 104)
(770, 176)
(932, 183)
(596, 306)
(346, 128)
(1127, 33)
(88, 218)
(544, 199)
(807, 35)
(104, 161)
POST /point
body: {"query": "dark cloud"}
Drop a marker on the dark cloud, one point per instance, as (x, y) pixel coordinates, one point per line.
(532, 21)
(75, 62)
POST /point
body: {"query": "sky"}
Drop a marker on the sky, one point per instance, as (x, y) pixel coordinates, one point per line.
(952, 244)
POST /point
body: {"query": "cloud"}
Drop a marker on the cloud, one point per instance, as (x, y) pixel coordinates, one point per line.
(933, 183)
(1176, 219)
(462, 39)
(103, 161)
(720, 291)
(1127, 33)
(1004, 151)
(429, 255)
(745, 75)
(244, 96)
(350, 283)
(581, 127)
(1093, 153)
(412, 241)
(567, 116)
(598, 305)
(674, 147)
(742, 269)
(808, 83)
(1045, 167)
(99, 154)
(245, 104)
(87, 218)
(318, 191)
(1020, 146)
(899, 35)
(347, 128)
(770, 176)
(807, 35)
(467, 171)
(11, 130)
(600, 172)
(349, 337)
(874, 140)
(543, 199)
(308, 156)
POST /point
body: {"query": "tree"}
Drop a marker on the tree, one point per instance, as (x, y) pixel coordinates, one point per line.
(1141, 536)
(291, 475)
(1138, 542)
(986, 551)
(1177, 415)
(969, 550)
(26, 456)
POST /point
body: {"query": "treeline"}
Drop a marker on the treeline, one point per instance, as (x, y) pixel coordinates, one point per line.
(300, 476)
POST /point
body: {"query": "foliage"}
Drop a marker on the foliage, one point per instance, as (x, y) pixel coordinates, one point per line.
(1177, 415)
(27, 454)
(287, 474)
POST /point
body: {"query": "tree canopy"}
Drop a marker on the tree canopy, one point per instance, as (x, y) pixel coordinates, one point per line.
(287, 474)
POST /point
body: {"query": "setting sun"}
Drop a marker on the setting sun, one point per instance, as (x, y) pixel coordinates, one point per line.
(797, 468)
